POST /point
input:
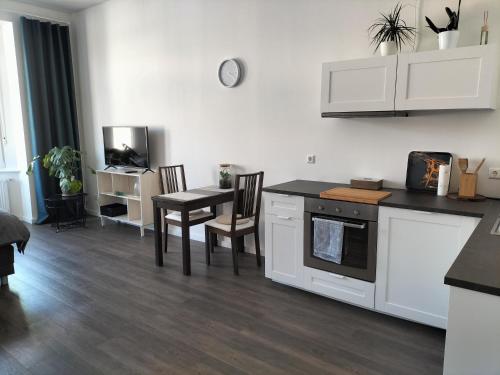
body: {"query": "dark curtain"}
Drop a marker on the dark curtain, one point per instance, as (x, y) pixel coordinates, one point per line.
(51, 100)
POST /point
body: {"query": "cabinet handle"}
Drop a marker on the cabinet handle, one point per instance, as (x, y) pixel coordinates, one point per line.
(284, 217)
(336, 276)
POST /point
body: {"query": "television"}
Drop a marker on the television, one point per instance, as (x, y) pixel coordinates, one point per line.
(126, 146)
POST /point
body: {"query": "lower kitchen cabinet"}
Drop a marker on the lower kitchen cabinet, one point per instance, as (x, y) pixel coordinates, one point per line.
(285, 242)
(348, 289)
(415, 250)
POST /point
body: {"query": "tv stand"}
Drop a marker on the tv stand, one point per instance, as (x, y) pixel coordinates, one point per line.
(110, 166)
(148, 170)
(133, 190)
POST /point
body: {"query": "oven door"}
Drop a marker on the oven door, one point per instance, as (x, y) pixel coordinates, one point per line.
(359, 250)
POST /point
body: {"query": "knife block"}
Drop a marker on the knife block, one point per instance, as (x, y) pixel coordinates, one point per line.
(468, 185)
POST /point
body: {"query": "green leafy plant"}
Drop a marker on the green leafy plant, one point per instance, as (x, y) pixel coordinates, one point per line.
(452, 24)
(62, 163)
(391, 28)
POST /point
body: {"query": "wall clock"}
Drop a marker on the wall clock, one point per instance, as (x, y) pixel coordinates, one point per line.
(230, 73)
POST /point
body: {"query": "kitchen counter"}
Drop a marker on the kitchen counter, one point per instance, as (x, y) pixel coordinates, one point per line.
(477, 267)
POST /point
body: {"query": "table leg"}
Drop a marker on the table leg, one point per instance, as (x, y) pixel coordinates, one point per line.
(186, 250)
(158, 235)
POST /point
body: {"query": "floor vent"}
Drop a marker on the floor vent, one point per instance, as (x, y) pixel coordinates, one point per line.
(4, 196)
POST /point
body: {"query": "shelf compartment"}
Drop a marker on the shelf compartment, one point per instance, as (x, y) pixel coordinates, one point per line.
(104, 181)
(124, 184)
(134, 210)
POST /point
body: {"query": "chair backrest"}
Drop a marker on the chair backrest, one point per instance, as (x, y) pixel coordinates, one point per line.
(169, 179)
(247, 196)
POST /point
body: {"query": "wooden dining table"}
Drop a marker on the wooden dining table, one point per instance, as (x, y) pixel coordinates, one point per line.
(184, 202)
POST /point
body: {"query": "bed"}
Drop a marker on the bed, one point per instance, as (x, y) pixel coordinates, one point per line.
(12, 233)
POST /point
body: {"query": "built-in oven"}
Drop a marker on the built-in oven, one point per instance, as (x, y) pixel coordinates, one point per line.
(357, 253)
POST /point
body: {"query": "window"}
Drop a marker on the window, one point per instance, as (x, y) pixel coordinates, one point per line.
(12, 145)
(3, 130)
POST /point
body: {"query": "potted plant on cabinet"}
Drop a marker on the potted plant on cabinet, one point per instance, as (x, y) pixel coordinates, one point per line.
(62, 163)
(448, 36)
(390, 32)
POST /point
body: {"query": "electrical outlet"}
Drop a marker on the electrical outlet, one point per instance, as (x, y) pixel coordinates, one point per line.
(494, 173)
(311, 159)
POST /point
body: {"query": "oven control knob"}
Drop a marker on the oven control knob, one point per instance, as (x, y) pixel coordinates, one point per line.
(321, 208)
(356, 212)
(338, 210)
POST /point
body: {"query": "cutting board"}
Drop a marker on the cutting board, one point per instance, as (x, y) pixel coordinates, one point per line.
(355, 195)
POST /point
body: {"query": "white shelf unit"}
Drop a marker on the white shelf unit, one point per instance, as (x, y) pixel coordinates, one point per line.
(119, 187)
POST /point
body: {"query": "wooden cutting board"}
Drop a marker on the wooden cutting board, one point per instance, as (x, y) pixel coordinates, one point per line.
(355, 195)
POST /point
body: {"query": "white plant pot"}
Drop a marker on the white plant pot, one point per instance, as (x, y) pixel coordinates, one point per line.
(388, 48)
(448, 39)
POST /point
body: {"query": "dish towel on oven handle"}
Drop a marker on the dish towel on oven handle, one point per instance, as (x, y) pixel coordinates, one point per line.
(328, 239)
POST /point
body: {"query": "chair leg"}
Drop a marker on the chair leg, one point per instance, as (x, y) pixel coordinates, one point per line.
(207, 245)
(241, 244)
(213, 242)
(234, 248)
(257, 246)
(165, 238)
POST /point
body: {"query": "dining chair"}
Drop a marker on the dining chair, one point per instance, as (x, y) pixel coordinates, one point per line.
(169, 183)
(243, 220)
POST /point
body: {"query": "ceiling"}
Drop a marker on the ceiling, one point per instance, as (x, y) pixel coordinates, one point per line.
(64, 5)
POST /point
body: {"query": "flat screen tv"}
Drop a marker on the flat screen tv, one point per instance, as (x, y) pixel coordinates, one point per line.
(126, 146)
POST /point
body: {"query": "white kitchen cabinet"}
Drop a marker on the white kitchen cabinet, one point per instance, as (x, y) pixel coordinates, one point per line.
(415, 250)
(359, 85)
(458, 78)
(347, 289)
(284, 243)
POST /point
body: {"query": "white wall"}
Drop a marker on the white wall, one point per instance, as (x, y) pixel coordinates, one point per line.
(155, 62)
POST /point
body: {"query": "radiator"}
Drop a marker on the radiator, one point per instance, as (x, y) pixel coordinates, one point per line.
(4, 196)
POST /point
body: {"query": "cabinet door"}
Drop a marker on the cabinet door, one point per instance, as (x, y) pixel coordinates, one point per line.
(415, 250)
(285, 249)
(458, 78)
(359, 85)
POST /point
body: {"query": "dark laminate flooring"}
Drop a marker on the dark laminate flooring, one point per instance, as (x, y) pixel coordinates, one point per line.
(91, 301)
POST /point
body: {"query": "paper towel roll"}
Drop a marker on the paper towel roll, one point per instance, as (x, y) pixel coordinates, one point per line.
(443, 180)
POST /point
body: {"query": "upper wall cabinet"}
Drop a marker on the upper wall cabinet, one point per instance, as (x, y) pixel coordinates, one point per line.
(459, 78)
(366, 85)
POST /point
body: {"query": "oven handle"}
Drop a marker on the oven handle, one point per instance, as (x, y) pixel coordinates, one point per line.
(349, 225)
(355, 226)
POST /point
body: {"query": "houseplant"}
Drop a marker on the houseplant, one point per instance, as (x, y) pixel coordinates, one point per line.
(448, 36)
(390, 32)
(62, 163)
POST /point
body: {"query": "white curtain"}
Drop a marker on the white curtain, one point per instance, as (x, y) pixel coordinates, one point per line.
(3, 129)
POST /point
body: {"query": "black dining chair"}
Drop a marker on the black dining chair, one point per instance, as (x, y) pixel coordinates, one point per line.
(169, 183)
(243, 220)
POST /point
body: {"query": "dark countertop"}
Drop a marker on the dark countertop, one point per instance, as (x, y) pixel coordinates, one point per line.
(477, 267)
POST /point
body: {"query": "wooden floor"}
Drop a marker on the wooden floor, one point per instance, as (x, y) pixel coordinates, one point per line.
(91, 301)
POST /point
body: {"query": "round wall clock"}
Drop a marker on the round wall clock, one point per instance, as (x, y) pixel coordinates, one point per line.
(230, 72)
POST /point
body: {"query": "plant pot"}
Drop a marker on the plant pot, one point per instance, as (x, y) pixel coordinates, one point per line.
(70, 186)
(448, 39)
(68, 194)
(388, 48)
